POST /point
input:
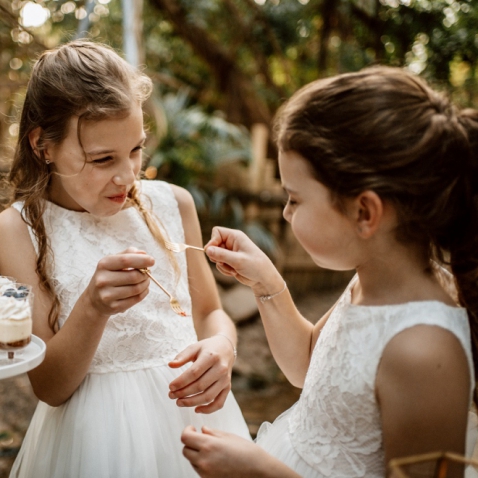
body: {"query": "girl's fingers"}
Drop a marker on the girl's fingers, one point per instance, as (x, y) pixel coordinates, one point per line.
(188, 434)
(121, 278)
(191, 454)
(215, 405)
(202, 398)
(109, 305)
(121, 305)
(225, 269)
(212, 432)
(188, 382)
(187, 355)
(223, 256)
(120, 262)
(132, 250)
(218, 236)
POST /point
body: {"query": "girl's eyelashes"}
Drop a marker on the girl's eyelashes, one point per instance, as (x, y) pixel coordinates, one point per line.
(109, 158)
(102, 160)
(289, 202)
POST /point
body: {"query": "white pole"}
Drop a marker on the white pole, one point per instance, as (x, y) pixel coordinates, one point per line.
(84, 23)
(131, 30)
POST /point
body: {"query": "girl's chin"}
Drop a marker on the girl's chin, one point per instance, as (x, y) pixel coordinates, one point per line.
(323, 264)
(107, 211)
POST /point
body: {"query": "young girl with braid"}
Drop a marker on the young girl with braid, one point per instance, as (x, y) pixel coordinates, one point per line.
(381, 174)
(123, 373)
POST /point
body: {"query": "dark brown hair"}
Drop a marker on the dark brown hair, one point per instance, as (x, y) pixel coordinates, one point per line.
(83, 79)
(386, 130)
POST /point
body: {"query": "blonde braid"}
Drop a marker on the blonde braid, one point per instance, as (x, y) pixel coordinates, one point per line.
(153, 222)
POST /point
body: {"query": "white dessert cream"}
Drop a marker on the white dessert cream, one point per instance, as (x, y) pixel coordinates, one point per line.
(15, 318)
(6, 283)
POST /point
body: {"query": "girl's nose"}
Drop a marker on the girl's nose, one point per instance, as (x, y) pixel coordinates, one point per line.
(286, 213)
(126, 176)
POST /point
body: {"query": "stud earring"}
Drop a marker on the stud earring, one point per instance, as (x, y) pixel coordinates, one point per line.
(47, 161)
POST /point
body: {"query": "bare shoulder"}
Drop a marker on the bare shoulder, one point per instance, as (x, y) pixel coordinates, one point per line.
(423, 384)
(16, 249)
(423, 349)
(188, 212)
(12, 227)
(183, 197)
(9, 218)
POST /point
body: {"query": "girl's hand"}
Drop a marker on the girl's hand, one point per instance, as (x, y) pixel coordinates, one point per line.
(206, 384)
(214, 453)
(236, 255)
(116, 284)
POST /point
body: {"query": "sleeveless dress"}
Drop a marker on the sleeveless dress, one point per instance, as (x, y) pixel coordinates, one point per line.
(120, 422)
(334, 430)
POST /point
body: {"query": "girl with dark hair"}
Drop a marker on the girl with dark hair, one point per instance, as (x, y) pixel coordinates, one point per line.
(123, 373)
(381, 176)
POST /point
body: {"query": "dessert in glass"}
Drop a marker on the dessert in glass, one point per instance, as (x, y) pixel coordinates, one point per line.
(15, 316)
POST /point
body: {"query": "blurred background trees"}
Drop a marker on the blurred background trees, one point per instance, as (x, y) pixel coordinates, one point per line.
(241, 58)
(222, 66)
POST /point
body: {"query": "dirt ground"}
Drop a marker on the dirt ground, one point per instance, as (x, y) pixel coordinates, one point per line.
(260, 388)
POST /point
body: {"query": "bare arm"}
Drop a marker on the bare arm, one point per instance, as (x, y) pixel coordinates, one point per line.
(209, 377)
(70, 350)
(215, 454)
(291, 337)
(423, 386)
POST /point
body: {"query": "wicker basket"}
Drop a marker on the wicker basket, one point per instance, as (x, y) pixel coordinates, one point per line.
(429, 465)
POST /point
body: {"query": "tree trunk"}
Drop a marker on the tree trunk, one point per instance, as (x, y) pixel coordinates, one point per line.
(242, 103)
(328, 18)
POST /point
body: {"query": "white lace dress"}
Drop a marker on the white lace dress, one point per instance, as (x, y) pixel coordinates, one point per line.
(120, 422)
(334, 429)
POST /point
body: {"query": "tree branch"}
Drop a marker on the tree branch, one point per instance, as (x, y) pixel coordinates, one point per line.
(244, 104)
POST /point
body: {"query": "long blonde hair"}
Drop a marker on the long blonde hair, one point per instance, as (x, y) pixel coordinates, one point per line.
(84, 79)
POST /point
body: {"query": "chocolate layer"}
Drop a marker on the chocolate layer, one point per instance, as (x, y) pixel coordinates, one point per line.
(14, 345)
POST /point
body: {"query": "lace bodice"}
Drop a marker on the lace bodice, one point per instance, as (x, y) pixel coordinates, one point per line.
(149, 333)
(335, 426)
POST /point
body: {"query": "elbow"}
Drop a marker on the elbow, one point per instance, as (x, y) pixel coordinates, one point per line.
(54, 402)
(52, 399)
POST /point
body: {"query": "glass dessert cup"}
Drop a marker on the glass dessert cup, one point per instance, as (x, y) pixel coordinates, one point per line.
(13, 347)
(15, 318)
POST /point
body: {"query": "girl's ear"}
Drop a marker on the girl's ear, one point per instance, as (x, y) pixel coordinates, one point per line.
(368, 213)
(34, 138)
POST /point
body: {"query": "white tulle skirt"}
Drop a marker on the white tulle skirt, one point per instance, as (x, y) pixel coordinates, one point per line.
(117, 425)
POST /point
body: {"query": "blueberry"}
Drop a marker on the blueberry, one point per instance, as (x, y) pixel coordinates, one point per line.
(20, 295)
(9, 293)
(23, 287)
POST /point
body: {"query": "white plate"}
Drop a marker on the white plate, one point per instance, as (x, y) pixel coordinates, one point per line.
(26, 359)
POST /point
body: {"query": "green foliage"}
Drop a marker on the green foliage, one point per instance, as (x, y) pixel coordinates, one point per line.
(244, 58)
(221, 208)
(195, 143)
(189, 153)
